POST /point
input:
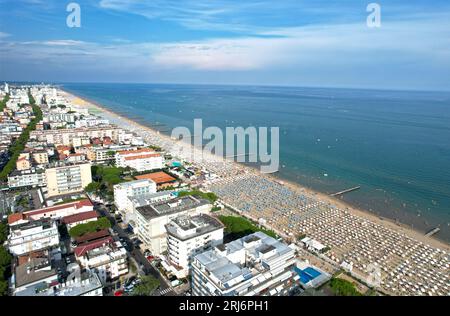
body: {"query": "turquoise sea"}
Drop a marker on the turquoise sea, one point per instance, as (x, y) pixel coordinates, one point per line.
(394, 144)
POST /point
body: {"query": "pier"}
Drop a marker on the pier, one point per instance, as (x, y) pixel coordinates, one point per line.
(432, 232)
(346, 191)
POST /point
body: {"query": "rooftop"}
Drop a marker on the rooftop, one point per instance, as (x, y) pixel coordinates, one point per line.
(34, 270)
(226, 264)
(159, 177)
(185, 227)
(170, 207)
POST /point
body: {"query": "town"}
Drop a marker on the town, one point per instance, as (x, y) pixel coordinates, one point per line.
(92, 207)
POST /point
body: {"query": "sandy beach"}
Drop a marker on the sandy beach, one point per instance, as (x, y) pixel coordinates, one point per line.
(399, 227)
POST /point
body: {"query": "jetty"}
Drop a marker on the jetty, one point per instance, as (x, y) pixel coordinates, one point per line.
(432, 232)
(346, 191)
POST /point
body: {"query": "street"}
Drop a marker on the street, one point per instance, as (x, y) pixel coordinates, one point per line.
(147, 268)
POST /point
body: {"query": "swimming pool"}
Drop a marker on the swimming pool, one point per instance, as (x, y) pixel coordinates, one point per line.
(307, 274)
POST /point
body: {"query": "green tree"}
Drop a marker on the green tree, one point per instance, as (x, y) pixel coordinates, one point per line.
(5, 257)
(3, 287)
(343, 287)
(92, 187)
(238, 227)
(3, 232)
(148, 285)
(210, 196)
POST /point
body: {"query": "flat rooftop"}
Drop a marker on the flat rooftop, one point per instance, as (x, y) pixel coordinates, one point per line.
(34, 270)
(254, 247)
(185, 227)
(170, 207)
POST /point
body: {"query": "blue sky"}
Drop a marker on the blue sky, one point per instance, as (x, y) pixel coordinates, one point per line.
(283, 42)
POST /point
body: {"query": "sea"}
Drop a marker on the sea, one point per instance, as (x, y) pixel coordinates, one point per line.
(395, 145)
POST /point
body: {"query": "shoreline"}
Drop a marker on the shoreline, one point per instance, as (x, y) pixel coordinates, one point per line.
(399, 227)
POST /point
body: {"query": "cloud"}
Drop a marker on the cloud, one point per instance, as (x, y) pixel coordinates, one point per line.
(4, 35)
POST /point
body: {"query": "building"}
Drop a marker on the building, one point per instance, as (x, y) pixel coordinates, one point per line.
(161, 178)
(253, 265)
(66, 178)
(133, 202)
(23, 164)
(34, 177)
(67, 136)
(39, 278)
(189, 236)
(52, 212)
(40, 157)
(151, 219)
(32, 236)
(140, 160)
(126, 190)
(80, 218)
(104, 256)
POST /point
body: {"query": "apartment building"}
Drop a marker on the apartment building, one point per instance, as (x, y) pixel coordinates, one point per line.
(33, 177)
(188, 236)
(140, 160)
(32, 236)
(66, 178)
(126, 190)
(151, 219)
(67, 136)
(104, 256)
(253, 265)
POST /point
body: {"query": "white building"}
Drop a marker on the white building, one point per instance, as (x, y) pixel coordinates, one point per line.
(32, 236)
(151, 219)
(123, 191)
(140, 160)
(253, 265)
(39, 278)
(34, 177)
(66, 178)
(104, 256)
(188, 236)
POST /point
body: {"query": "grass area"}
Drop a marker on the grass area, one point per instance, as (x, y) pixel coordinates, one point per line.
(89, 227)
(104, 178)
(70, 200)
(19, 144)
(238, 227)
(207, 196)
(342, 287)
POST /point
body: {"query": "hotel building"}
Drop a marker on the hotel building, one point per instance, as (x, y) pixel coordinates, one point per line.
(67, 178)
(249, 266)
(189, 236)
(151, 219)
(140, 160)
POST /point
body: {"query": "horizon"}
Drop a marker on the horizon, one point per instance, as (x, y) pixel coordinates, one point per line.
(323, 44)
(58, 84)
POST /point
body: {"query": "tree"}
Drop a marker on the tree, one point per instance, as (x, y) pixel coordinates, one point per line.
(239, 227)
(148, 285)
(92, 187)
(5, 257)
(3, 287)
(343, 287)
(3, 232)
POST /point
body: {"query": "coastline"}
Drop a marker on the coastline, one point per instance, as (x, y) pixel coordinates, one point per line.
(387, 222)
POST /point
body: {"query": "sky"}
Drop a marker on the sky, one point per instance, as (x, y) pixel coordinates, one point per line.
(259, 42)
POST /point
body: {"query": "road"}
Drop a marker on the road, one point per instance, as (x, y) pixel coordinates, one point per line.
(137, 255)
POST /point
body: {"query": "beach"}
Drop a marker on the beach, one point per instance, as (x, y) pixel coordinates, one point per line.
(355, 236)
